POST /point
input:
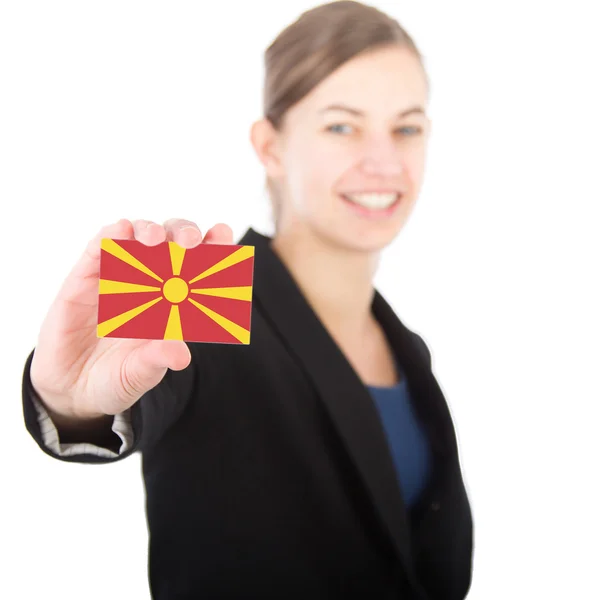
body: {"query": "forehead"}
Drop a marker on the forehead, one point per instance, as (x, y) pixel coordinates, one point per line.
(387, 79)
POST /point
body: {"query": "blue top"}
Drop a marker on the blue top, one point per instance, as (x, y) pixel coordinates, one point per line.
(409, 447)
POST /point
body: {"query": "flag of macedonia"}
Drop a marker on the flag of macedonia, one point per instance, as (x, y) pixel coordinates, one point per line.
(200, 294)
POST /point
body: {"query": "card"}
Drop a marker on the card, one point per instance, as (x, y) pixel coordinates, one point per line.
(167, 292)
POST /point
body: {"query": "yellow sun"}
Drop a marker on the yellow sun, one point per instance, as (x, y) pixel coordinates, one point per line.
(175, 290)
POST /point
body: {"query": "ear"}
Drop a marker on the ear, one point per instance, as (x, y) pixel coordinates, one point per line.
(265, 141)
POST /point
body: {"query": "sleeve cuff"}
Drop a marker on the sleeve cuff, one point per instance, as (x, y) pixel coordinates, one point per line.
(121, 426)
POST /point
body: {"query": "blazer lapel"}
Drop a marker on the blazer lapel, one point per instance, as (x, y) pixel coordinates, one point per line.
(342, 392)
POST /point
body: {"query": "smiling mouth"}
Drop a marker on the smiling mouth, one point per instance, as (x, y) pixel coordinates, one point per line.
(382, 205)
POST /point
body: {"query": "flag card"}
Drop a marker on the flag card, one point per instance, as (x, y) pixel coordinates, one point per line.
(200, 294)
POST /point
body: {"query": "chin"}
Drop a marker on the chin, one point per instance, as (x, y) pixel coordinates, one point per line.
(372, 244)
(365, 239)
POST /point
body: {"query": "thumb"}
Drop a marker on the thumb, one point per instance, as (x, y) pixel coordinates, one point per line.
(146, 366)
(173, 354)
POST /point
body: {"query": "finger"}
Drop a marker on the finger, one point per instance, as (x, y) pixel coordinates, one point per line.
(89, 261)
(148, 232)
(219, 234)
(184, 232)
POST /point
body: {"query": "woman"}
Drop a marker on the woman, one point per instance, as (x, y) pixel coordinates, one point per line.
(320, 461)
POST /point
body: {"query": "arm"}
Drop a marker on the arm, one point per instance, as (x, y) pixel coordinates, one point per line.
(112, 438)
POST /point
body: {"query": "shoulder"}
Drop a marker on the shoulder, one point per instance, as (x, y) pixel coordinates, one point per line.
(422, 346)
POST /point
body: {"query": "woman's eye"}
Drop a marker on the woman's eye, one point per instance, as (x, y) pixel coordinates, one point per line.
(414, 129)
(337, 125)
(409, 131)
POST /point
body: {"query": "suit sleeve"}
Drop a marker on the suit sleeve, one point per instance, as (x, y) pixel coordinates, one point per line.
(138, 428)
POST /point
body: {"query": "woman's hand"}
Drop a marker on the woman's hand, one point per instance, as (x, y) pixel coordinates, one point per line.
(82, 378)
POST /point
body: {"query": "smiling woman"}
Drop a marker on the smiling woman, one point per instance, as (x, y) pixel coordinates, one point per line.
(316, 458)
(349, 65)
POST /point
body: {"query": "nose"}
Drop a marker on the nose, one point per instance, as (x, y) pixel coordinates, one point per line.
(381, 156)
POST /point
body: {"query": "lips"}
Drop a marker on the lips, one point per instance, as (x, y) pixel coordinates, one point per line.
(372, 213)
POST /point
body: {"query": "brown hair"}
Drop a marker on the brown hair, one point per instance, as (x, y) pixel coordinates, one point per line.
(316, 44)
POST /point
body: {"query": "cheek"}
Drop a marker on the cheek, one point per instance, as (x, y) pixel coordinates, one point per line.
(326, 169)
(418, 168)
(413, 165)
(316, 176)
(416, 162)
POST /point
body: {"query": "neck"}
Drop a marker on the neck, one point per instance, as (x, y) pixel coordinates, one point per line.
(337, 282)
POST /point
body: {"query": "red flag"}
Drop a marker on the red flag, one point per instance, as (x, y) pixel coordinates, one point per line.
(200, 294)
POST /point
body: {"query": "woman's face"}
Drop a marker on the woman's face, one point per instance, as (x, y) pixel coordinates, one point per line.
(349, 147)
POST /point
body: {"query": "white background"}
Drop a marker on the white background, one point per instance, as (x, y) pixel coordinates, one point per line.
(143, 109)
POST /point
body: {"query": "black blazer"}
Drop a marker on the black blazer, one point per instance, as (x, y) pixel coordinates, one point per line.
(268, 474)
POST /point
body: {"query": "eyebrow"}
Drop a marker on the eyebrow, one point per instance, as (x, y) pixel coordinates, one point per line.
(359, 113)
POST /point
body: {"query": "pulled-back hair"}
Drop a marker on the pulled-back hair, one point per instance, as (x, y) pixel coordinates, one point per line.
(316, 44)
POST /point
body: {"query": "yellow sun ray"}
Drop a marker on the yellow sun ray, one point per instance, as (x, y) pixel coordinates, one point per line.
(241, 334)
(106, 286)
(116, 250)
(174, 326)
(238, 256)
(236, 293)
(108, 326)
(177, 257)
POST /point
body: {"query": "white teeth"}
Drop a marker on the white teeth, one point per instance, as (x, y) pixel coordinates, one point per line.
(379, 201)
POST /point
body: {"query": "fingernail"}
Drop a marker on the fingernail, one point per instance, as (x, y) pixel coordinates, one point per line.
(195, 231)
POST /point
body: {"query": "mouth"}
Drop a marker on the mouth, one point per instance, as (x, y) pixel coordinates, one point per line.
(373, 205)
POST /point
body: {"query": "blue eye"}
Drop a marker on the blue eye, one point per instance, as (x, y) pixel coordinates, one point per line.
(336, 128)
(415, 129)
(337, 125)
